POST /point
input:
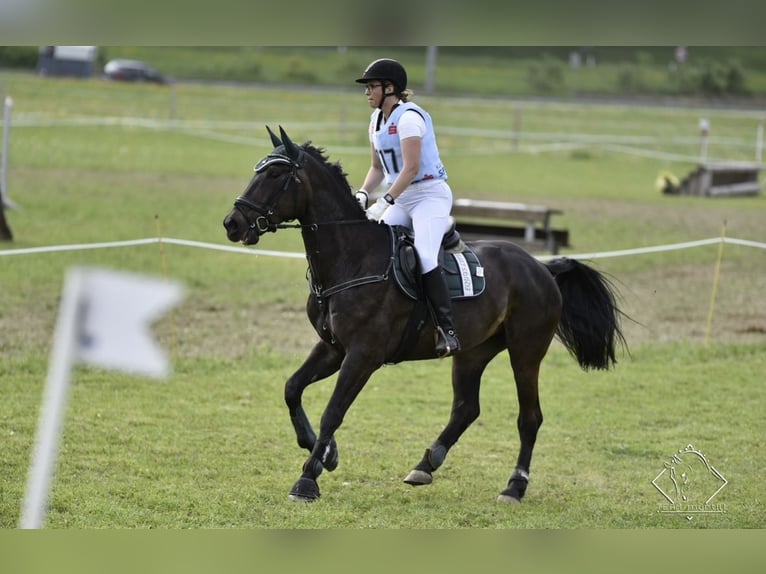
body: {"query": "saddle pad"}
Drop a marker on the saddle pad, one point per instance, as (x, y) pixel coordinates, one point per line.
(463, 270)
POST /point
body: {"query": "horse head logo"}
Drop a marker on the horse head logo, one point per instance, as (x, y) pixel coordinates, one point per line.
(688, 478)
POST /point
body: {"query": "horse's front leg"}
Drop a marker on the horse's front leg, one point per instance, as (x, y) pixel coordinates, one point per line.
(323, 361)
(353, 375)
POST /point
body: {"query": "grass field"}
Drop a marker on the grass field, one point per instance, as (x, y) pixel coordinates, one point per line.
(212, 447)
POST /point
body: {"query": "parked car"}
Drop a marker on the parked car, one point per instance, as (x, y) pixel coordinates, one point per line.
(133, 71)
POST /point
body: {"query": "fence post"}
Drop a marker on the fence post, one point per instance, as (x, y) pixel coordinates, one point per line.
(6, 139)
(704, 132)
(5, 231)
(431, 54)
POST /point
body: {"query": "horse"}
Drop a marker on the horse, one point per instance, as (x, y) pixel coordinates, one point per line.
(361, 315)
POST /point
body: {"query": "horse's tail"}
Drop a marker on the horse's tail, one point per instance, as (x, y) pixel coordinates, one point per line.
(590, 319)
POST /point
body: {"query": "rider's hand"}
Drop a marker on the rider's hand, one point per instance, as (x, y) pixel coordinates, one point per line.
(361, 198)
(377, 209)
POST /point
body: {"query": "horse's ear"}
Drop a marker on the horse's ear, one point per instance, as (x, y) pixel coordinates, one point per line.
(274, 138)
(293, 151)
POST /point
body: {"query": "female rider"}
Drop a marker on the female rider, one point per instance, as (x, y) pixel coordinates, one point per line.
(404, 155)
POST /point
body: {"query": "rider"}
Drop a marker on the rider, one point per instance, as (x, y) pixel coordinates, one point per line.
(405, 155)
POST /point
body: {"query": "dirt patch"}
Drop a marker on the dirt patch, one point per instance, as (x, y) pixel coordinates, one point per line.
(672, 304)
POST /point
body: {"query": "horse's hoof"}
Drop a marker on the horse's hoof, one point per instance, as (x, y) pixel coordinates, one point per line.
(517, 487)
(508, 499)
(419, 478)
(305, 490)
(514, 493)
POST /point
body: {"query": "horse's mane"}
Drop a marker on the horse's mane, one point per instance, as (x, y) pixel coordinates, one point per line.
(318, 153)
(336, 172)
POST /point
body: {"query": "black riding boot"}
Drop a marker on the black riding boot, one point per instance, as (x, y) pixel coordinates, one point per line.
(435, 285)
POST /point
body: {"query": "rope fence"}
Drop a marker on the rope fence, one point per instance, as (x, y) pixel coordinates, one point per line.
(294, 255)
(720, 241)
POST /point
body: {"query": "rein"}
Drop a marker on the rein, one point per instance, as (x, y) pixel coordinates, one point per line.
(262, 224)
(322, 294)
(314, 226)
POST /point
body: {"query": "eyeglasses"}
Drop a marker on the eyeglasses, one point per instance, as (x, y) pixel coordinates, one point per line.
(370, 87)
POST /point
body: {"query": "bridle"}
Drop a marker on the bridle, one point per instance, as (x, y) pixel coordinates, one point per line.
(262, 223)
(287, 153)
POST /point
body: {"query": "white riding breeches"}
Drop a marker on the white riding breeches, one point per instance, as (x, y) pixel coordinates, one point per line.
(425, 209)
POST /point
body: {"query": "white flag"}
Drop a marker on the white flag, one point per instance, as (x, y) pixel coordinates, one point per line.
(115, 314)
(104, 319)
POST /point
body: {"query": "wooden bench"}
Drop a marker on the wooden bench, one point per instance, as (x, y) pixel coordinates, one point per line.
(478, 219)
(721, 179)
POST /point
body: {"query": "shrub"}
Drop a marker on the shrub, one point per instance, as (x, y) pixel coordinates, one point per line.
(645, 59)
(18, 57)
(629, 78)
(298, 71)
(735, 78)
(546, 76)
(717, 78)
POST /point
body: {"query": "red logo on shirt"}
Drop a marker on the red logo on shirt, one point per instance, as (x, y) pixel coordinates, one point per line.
(392, 129)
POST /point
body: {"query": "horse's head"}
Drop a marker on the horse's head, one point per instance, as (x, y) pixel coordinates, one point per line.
(273, 195)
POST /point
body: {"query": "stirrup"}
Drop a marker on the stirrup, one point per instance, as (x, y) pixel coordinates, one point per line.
(446, 343)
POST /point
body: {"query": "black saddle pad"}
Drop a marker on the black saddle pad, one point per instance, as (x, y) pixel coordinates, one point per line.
(464, 272)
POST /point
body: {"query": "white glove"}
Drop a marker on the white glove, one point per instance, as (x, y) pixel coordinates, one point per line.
(361, 198)
(377, 209)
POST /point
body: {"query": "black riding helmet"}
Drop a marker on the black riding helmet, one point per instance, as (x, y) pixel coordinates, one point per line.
(386, 69)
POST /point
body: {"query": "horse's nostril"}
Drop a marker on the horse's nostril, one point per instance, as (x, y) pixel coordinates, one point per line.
(230, 224)
(232, 228)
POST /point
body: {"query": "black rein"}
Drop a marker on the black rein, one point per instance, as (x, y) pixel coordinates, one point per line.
(263, 224)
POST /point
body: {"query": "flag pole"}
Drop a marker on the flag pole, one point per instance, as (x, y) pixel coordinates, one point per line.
(716, 277)
(163, 259)
(104, 320)
(56, 392)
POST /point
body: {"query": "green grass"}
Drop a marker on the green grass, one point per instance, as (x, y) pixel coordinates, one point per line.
(212, 447)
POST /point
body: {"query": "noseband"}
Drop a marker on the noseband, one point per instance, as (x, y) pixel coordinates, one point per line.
(262, 223)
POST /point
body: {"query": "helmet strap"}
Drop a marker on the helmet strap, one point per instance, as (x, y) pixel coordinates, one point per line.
(387, 95)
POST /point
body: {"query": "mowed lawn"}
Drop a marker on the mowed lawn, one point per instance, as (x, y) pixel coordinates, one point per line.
(212, 446)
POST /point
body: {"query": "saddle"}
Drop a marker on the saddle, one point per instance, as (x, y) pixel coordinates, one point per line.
(462, 268)
(464, 273)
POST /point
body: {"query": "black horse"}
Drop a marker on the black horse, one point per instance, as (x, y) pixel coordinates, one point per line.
(361, 315)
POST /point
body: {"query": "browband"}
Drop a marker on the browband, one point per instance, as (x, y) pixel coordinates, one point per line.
(274, 158)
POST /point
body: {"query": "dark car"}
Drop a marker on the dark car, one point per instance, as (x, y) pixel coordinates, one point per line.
(133, 71)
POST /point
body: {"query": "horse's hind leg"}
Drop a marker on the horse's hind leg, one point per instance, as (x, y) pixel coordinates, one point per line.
(323, 361)
(526, 356)
(466, 379)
